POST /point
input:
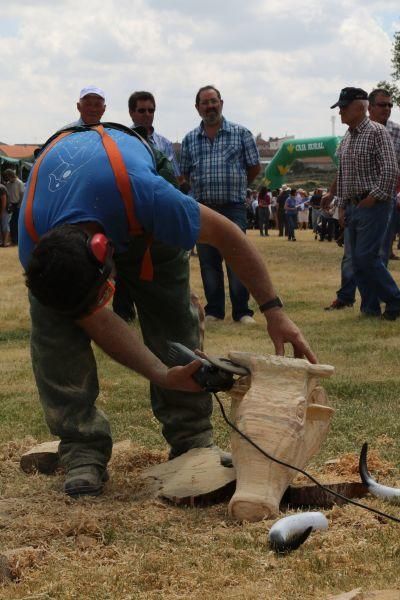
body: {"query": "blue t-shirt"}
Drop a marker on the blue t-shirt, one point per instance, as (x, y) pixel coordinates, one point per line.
(76, 184)
(290, 206)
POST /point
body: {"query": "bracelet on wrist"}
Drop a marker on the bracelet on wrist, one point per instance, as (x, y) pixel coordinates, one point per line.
(274, 303)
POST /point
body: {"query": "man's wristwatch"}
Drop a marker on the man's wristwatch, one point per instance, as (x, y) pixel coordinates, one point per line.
(275, 302)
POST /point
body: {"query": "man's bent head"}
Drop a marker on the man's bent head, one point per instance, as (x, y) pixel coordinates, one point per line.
(68, 272)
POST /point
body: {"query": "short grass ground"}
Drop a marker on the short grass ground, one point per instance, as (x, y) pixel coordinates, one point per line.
(127, 544)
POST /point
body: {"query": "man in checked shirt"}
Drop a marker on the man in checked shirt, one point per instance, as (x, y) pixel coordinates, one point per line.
(220, 160)
(365, 186)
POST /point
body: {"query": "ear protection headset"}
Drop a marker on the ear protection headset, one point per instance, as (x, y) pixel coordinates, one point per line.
(101, 251)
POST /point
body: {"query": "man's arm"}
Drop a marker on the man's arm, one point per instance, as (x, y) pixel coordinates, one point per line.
(252, 172)
(21, 191)
(121, 343)
(388, 171)
(3, 202)
(330, 194)
(250, 154)
(184, 166)
(249, 266)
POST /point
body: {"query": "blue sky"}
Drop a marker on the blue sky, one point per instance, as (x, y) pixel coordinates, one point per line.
(279, 64)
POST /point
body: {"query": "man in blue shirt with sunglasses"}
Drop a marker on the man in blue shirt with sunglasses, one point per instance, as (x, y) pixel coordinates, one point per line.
(142, 108)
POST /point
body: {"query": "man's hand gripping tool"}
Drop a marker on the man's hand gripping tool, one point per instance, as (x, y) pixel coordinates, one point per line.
(214, 375)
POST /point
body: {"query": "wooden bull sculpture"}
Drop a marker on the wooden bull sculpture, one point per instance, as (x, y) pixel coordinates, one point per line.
(281, 407)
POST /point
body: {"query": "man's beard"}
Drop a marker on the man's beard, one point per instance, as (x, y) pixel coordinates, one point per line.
(212, 118)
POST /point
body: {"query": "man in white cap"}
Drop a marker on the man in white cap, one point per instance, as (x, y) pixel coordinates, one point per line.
(91, 105)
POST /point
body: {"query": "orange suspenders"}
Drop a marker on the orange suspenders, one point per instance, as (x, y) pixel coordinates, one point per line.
(123, 184)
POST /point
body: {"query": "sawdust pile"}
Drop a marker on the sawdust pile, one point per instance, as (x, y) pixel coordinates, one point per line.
(127, 544)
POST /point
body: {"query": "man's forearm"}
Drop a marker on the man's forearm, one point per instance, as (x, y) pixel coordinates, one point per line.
(123, 345)
(249, 266)
(238, 252)
(252, 173)
(333, 188)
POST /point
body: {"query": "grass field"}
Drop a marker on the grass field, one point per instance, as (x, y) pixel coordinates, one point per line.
(127, 544)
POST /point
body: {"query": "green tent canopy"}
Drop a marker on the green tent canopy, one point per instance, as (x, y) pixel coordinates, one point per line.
(20, 165)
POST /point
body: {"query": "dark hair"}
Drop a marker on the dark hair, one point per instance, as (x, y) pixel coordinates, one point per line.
(9, 173)
(262, 192)
(203, 89)
(133, 99)
(61, 273)
(293, 192)
(376, 92)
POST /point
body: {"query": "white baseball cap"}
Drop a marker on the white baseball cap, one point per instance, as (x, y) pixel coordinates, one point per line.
(91, 89)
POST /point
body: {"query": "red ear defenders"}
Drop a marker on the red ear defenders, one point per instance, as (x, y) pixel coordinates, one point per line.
(101, 251)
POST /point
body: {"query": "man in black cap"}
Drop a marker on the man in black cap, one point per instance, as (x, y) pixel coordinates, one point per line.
(365, 186)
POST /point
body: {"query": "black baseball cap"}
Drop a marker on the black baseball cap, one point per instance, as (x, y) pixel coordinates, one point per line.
(348, 94)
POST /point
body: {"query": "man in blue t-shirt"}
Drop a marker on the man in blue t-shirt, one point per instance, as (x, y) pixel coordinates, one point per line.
(77, 212)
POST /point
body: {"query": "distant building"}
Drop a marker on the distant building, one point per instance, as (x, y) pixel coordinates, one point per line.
(273, 143)
(21, 151)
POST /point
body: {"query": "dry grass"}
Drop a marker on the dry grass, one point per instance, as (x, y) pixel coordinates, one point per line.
(127, 544)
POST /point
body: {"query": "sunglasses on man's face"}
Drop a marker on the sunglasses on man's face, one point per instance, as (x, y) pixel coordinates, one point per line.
(143, 110)
(384, 104)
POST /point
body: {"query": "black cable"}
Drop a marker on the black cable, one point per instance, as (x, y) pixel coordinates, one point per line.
(284, 464)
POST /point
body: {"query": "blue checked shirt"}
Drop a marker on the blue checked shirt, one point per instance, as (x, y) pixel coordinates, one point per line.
(218, 169)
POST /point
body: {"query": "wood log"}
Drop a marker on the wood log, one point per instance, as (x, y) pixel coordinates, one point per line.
(311, 495)
(276, 407)
(43, 458)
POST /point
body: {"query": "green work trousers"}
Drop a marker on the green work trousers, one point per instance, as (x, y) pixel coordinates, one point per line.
(66, 373)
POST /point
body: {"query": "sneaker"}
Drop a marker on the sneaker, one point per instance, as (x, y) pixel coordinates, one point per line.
(85, 480)
(391, 315)
(211, 319)
(338, 304)
(247, 320)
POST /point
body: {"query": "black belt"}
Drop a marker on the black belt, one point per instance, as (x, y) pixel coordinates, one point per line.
(356, 199)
